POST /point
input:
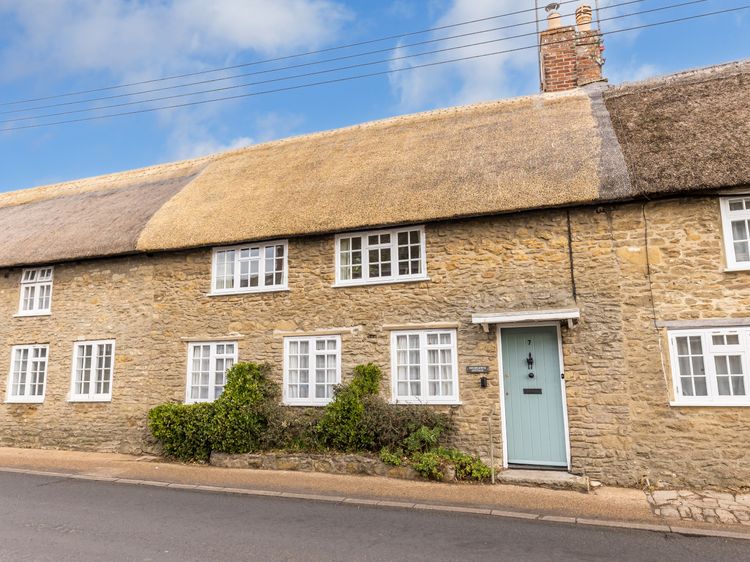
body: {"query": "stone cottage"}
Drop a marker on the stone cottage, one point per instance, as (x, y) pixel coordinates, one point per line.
(571, 268)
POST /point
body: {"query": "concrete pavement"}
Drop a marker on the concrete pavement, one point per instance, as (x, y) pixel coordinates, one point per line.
(604, 507)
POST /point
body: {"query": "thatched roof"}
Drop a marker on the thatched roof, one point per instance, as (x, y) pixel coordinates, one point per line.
(682, 133)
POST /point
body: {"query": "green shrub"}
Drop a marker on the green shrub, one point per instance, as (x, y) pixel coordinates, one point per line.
(366, 380)
(247, 417)
(391, 424)
(429, 465)
(243, 413)
(422, 440)
(183, 430)
(294, 429)
(391, 457)
(467, 467)
(342, 426)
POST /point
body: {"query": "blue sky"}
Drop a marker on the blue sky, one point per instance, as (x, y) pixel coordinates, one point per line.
(49, 47)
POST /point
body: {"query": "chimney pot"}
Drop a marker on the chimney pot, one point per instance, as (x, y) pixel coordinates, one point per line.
(583, 18)
(553, 17)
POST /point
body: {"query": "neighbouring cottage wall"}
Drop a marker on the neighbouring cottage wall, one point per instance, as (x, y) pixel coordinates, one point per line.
(621, 425)
(103, 299)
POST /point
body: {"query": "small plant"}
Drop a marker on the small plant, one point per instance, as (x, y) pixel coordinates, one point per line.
(391, 457)
(422, 440)
(429, 465)
(467, 466)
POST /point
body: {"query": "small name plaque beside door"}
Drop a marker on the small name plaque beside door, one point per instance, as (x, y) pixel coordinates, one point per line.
(477, 369)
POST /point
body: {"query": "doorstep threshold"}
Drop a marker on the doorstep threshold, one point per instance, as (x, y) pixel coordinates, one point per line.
(545, 478)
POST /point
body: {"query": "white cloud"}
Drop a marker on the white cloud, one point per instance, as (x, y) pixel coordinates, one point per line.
(490, 77)
(150, 38)
(633, 72)
(125, 41)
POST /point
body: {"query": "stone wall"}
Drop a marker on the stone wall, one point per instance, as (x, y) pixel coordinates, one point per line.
(621, 426)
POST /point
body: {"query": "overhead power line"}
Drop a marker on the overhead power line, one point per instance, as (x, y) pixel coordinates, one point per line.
(334, 59)
(362, 76)
(318, 72)
(277, 59)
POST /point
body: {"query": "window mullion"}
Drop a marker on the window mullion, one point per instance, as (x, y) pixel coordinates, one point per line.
(423, 365)
(365, 258)
(27, 384)
(394, 254)
(261, 266)
(211, 370)
(710, 365)
(236, 275)
(310, 363)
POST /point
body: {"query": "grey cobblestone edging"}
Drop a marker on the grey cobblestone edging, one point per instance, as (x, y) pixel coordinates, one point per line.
(706, 506)
(660, 528)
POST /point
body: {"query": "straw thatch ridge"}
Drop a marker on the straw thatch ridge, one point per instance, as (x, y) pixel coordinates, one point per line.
(688, 132)
(82, 224)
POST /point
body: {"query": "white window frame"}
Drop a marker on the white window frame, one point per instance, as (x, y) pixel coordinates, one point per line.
(26, 398)
(212, 368)
(262, 287)
(726, 220)
(424, 397)
(311, 400)
(710, 350)
(394, 277)
(36, 286)
(92, 395)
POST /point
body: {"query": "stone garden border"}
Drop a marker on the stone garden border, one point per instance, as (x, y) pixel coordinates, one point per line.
(306, 462)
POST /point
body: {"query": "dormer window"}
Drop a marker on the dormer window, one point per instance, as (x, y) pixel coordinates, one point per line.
(383, 256)
(36, 292)
(250, 268)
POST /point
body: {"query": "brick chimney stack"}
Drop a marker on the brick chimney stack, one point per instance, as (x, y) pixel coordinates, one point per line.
(571, 56)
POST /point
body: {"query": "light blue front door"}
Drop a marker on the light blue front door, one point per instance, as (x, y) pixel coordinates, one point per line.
(532, 388)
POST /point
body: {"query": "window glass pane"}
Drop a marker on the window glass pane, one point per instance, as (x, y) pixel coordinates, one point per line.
(723, 386)
(696, 345)
(739, 230)
(738, 386)
(742, 251)
(733, 339)
(682, 346)
(701, 389)
(736, 205)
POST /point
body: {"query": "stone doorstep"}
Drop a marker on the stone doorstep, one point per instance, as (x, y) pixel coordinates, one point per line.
(555, 479)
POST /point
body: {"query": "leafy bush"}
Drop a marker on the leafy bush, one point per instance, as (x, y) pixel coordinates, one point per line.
(431, 461)
(342, 426)
(391, 424)
(467, 466)
(422, 440)
(429, 464)
(294, 429)
(243, 412)
(391, 457)
(247, 417)
(183, 430)
(366, 380)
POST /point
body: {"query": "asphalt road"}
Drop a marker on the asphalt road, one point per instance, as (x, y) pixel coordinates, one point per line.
(45, 518)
